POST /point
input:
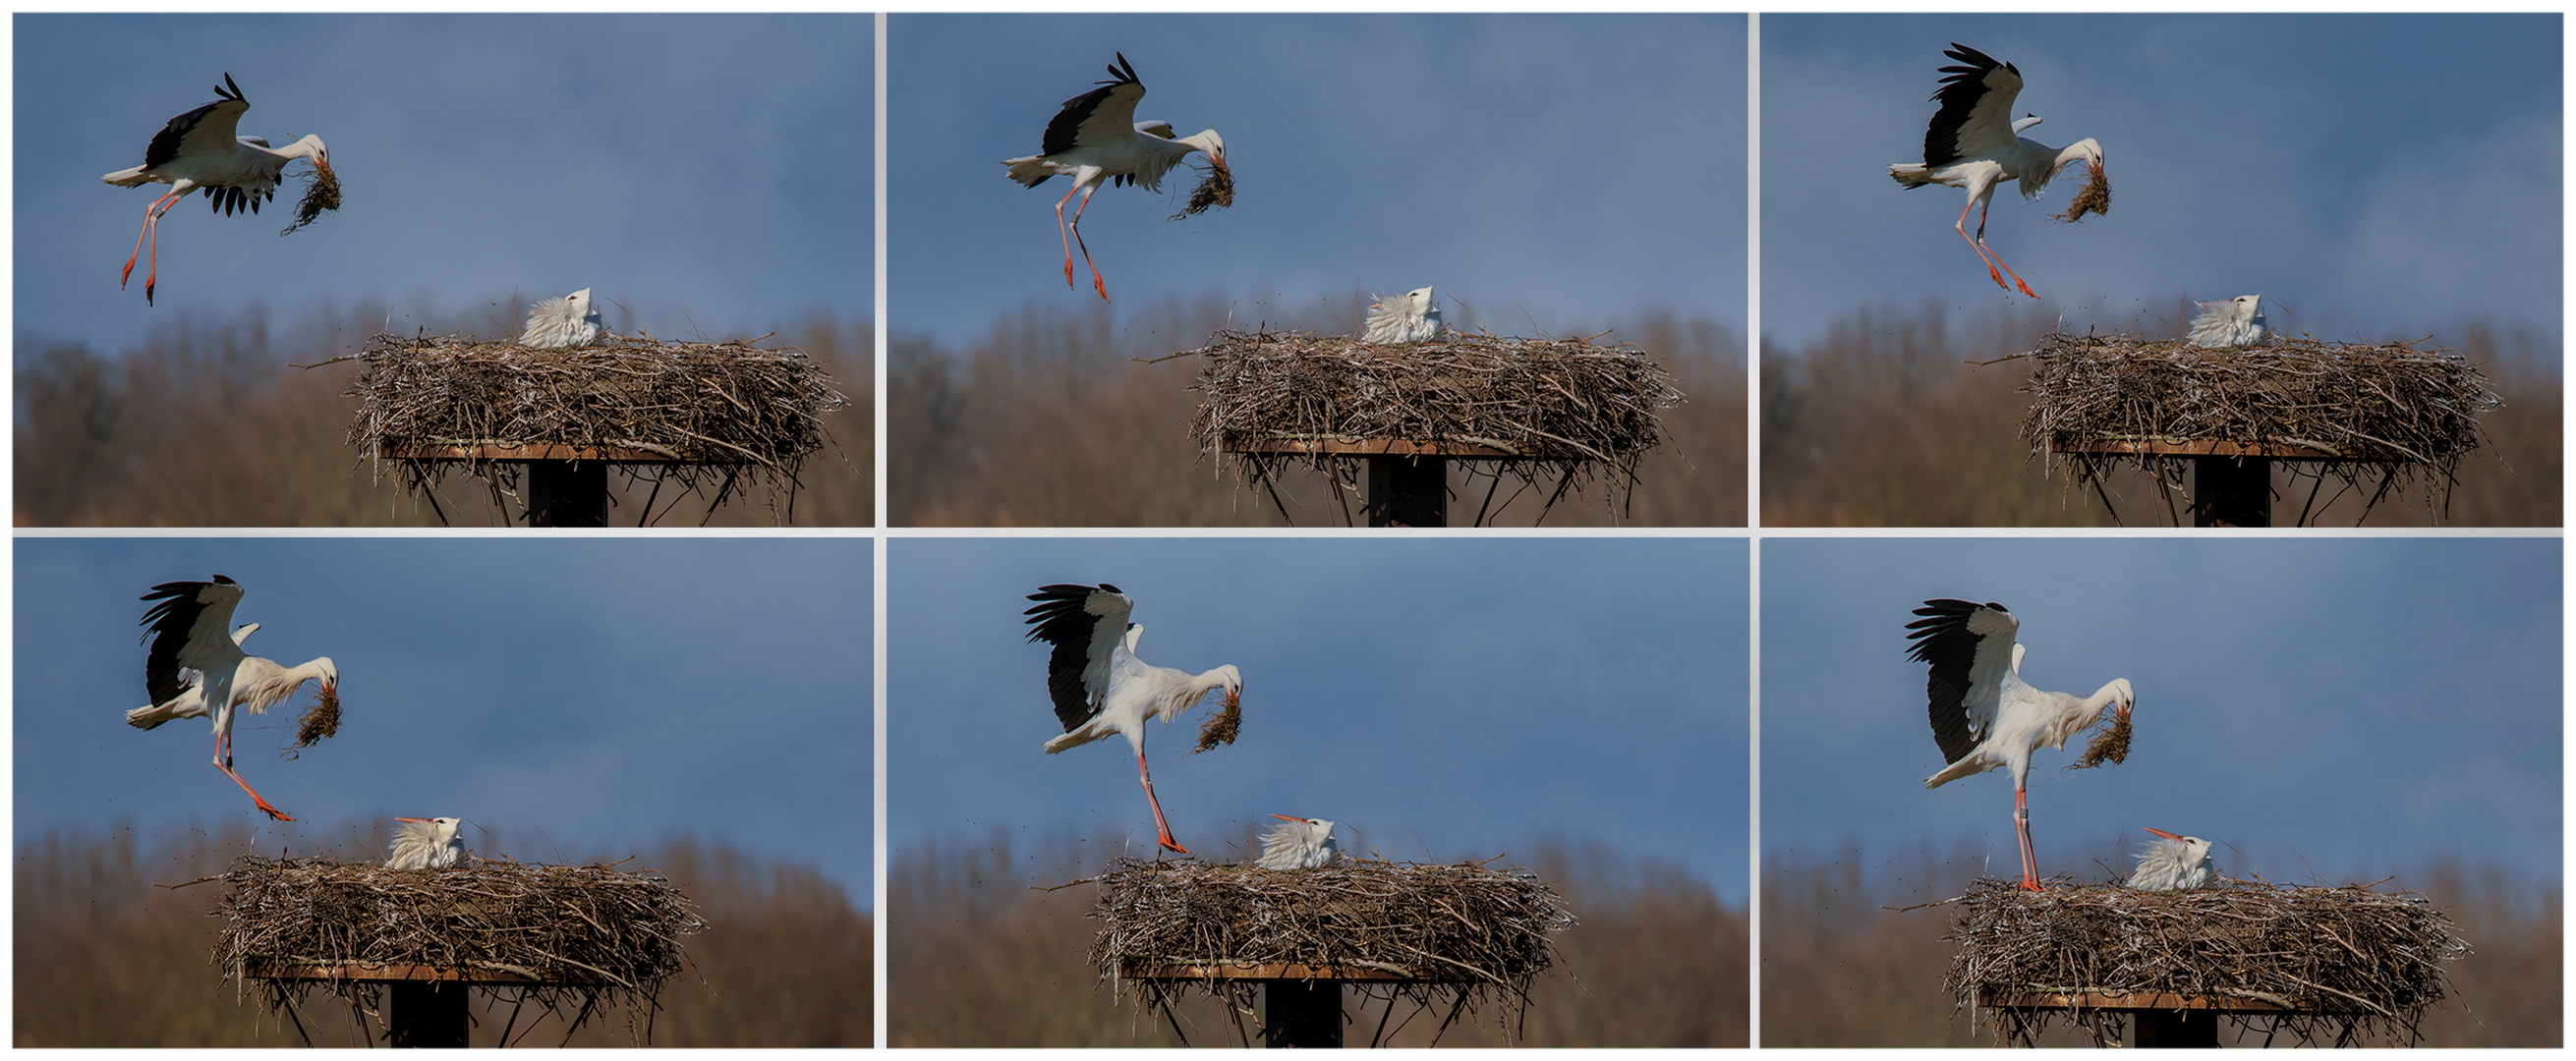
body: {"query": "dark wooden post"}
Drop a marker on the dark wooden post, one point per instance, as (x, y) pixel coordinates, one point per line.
(1408, 491)
(428, 1013)
(2168, 1028)
(2231, 492)
(1302, 1013)
(567, 493)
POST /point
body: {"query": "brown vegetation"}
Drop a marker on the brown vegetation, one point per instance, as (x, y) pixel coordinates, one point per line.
(978, 957)
(1840, 968)
(206, 424)
(1884, 423)
(106, 958)
(1050, 419)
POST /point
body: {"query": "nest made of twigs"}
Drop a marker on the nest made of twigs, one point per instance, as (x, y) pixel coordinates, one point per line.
(2384, 410)
(1564, 407)
(2347, 960)
(1462, 930)
(729, 412)
(605, 935)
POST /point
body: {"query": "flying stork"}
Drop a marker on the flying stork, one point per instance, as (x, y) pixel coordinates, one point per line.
(199, 151)
(426, 843)
(1407, 318)
(194, 670)
(2173, 864)
(1100, 687)
(1984, 715)
(2230, 322)
(1298, 843)
(1974, 144)
(1097, 138)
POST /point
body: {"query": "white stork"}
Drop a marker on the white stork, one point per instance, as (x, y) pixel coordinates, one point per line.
(2230, 322)
(193, 669)
(1099, 686)
(1974, 144)
(1984, 715)
(561, 323)
(1407, 318)
(1096, 137)
(199, 151)
(426, 843)
(1298, 843)
(2172, 864)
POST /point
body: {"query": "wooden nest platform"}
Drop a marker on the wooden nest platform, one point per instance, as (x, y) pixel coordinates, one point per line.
(2356, 412)
(727, 415)
(590, 935)
(1561, 409)
(2332, 965)
(1461, 932)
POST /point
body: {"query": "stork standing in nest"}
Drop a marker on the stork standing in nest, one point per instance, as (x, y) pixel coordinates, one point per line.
(1096, 138)
(2230, 322)
(2172, 864)
(194, 669)
(1973, 145)
(198, 151)
(1101, 689)
(1984, 716)
(561, 323)
(426, 843)
(1407, 318)
(1298, 843)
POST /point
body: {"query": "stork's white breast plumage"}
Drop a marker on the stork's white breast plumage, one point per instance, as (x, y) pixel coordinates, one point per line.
(1298, 843)
(2230, 322)
(2171, 863)
(562, 323)
(1411, 317)
(426, 843)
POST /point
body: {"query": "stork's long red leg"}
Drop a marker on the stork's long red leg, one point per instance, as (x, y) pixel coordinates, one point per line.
(1986, 254)
(2021, 827)
(151, 225)
(1163, 832)
(1096, 283)
(1068, 240)
(223, 762)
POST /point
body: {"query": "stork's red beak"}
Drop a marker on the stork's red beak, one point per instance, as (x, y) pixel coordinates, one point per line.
(2160, 832)
(1233, 700)
(1288, 817)
(411, 819)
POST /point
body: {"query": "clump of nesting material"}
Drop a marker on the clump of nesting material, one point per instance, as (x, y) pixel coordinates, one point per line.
(593, 934)
(2110, 745)
(1215, 189)
(1459, 931)
(1551, 408)
(2387, 411)
(2348, 962)
(321, 719)
(321, 192)
(1220, 727)
(2094, 199)
(730, 414)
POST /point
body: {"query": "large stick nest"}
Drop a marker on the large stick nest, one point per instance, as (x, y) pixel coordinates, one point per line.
(591, 933)
(2388, 411)
(2345, 963)
(729, 412)
(1461, 931)
(1560, 408)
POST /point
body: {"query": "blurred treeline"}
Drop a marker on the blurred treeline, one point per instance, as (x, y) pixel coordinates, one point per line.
(1051, 418)
(979, 955)
(207, 425)
(109, 955)
(1884, 423)
(1840, 968)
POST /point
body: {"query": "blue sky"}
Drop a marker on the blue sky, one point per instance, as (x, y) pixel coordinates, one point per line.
(1449, 698)
(589, 696)
(2335, 709)
(1554, 172)
(2386, 176)
(712, 175)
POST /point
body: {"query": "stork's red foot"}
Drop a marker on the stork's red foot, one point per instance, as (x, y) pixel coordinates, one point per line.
(273, 813)
(2031, 886)
(1169, 844)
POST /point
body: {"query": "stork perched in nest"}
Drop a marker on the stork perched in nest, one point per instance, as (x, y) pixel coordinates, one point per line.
(426, 843)
(562, 323)
(2172, 864)
(1407, 318)
(2230, 322)
(1101, 689)
(1974, 144)
(194, 669)
(198, 151)
(1095, 138)
(1298, 843)
(1984, 716)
